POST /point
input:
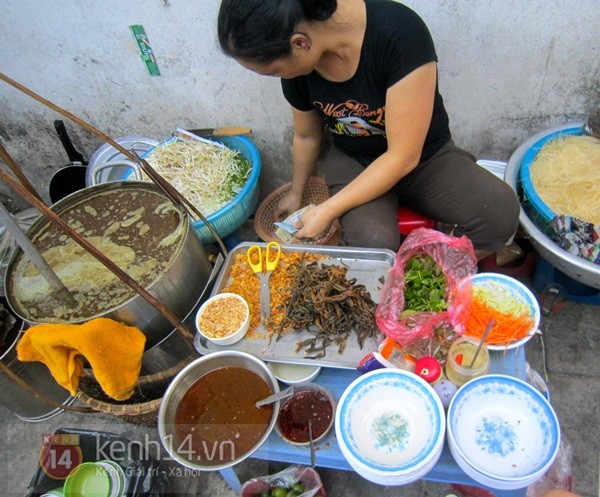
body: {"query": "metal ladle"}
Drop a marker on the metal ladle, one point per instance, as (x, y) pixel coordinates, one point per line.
(312, 444)
(488, 328)
(284, 394)
(36, 258)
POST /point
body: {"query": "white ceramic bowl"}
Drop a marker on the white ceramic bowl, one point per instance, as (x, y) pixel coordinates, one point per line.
(390, 426)
(502, 431)
(488, 481)
(391, 479)
(292, 374)
(235, 335)
(520, 292)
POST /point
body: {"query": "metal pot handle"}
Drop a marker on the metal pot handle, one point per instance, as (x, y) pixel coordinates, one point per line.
(142, 145)
(131, 165)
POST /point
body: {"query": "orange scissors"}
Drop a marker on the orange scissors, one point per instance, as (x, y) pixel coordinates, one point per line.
(272, 255)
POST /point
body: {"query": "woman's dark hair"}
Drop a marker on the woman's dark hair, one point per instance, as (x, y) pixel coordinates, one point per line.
(260, 30)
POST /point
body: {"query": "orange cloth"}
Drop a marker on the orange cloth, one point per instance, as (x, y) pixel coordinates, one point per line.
(114, 351)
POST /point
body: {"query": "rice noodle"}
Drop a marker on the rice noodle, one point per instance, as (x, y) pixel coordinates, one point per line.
(566, 176)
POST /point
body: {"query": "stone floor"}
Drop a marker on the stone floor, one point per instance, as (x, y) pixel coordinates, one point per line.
(565, 356)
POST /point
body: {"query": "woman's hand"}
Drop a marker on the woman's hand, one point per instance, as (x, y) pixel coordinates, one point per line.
(289, 204)
(314, 223)
(306, 146)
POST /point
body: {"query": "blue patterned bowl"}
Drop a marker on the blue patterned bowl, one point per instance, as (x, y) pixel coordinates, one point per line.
(390, 423)
(502, 429)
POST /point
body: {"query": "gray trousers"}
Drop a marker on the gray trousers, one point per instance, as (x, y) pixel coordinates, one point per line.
(450, 188)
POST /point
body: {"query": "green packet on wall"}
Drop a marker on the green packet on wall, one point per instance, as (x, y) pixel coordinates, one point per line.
(145, 49)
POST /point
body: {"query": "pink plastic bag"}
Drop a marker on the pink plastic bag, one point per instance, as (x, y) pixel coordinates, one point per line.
(307, 476)
(454, 256)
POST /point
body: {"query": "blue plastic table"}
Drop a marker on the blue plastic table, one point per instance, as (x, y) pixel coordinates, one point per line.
(328, 454)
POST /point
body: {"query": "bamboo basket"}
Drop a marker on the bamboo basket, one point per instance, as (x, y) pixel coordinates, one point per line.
(142, 408)
(316, 192)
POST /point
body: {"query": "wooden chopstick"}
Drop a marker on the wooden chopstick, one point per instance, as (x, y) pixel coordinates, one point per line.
(174, 195)
(17, 172)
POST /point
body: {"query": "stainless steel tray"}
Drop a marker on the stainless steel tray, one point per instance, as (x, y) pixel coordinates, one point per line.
(368, 266)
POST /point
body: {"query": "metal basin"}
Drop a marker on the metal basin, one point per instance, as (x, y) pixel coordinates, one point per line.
(108, 164)
(36, 375)
(577, 268)
(167, 427)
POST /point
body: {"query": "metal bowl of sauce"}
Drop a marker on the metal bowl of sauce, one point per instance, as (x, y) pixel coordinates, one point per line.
(208, 419)
(310, 403)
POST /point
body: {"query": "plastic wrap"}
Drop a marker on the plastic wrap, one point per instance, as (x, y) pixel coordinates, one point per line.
(454, 256)
(559, 475)
(293, 474)
(144, 475)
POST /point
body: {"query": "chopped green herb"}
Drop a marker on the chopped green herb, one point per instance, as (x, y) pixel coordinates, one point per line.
(425, 285)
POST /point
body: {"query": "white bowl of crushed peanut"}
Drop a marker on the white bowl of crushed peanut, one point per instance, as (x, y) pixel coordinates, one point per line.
(223, 319)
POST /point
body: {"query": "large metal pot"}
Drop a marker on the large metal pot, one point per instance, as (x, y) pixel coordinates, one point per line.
(184, 268)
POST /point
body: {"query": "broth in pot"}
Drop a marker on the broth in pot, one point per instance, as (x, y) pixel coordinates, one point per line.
(217, 420)
(138, 228)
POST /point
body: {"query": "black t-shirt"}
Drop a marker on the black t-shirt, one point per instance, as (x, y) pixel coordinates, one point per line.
(396, 43)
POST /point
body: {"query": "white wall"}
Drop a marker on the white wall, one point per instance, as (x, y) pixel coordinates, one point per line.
(508, 69)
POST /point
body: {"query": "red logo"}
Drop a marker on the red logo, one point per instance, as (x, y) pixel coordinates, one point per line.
(60, 454)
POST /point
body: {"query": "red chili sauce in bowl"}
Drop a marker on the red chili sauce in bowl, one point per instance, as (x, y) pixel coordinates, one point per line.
(312, 405)
(217, 420)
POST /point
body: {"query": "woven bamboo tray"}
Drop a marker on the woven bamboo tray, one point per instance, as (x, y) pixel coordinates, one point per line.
(316, 192)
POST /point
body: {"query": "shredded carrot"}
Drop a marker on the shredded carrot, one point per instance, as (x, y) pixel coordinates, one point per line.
(507, 327)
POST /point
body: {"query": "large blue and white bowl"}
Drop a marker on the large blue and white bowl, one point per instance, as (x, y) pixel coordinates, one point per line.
(390, 426)
(541, 211)
(502, 431)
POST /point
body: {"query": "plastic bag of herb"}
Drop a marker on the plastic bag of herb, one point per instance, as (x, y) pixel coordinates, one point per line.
(418, 293)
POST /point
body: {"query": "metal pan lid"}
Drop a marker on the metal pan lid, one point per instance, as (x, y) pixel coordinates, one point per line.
(107, 154)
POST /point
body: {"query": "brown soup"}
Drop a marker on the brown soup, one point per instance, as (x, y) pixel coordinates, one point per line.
(217, 420)
(136, 227)
(299, 409)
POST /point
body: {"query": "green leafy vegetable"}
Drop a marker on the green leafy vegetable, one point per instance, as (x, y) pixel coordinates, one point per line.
(425, 285)
(237, 176)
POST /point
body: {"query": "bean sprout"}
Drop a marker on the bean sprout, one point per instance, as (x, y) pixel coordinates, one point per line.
(209, 176)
